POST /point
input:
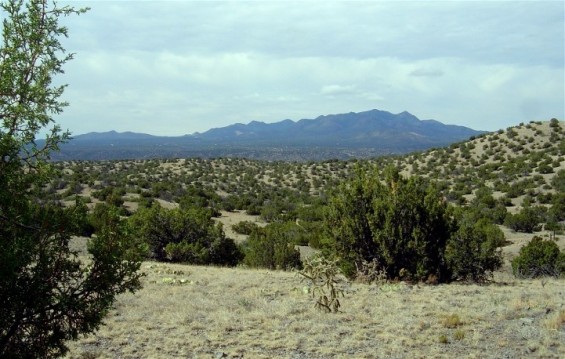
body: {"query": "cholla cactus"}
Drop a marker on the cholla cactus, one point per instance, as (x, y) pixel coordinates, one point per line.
(325, 278)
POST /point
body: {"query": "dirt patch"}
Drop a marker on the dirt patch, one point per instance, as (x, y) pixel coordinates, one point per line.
(228, 219)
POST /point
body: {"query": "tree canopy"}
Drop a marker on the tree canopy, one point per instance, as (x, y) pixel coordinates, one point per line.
(48, 293)
(407, 230)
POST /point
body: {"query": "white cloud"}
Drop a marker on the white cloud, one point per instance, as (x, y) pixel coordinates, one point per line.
(338, 90)
(185, 66)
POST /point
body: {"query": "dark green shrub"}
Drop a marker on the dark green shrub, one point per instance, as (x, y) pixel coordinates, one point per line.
(545, 168)
(272, 248)
(472, 251)
(528, 220)
(253, 209)
(485, 206)
(184, 235)
(220, 251)
(102, 214)
(200, 197)
(557, 209)
(244, 227)
(402, 224)
(539, 258)
(558, 181)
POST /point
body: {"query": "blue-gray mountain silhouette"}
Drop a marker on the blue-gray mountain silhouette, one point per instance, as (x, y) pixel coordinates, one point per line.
(359, 135)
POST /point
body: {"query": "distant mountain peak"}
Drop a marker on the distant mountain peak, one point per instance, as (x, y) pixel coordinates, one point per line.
(369, 133)
(112, 135)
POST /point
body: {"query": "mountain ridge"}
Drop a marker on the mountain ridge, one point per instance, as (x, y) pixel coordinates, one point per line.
(361, 135)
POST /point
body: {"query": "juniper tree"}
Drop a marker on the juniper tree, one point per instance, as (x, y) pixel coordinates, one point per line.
(48, 294)
(401, 224)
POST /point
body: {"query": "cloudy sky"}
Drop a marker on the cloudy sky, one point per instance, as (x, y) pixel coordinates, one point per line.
(179, 67)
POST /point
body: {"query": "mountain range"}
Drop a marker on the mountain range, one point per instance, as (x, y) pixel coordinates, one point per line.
(351, 135)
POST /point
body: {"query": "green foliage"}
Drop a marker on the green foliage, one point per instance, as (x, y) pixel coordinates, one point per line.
(406, 230)
(402, 224)
(101, 214)
(200, 197)
(49, 295)
(244, 227)
(557, 210)
(528, 220)
(558, 181)
(271, 247)
(539, 258)
(323, 276)
(184, 235)
(111, 195)
(485, 206)
(472, 251)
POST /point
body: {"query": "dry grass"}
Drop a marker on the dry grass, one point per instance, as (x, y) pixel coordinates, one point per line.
(207, 312)
(228, 219)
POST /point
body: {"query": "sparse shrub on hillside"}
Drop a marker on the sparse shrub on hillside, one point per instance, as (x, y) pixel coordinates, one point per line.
(528, 220)
(184, 235)
(485, 206)
(511, 133)
(253, 209)
(472, 252)
(545, 168)
(557, 209)
(271, 247)
(539, 258)
(558, 181)
(244, 227)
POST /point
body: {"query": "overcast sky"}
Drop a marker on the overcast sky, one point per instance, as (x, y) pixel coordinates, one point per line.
(179, 67)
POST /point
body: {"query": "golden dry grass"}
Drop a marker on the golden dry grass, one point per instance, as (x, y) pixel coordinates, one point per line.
(207, 312)
(228, 219)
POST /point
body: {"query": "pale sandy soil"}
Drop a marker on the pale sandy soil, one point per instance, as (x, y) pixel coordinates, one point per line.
(166, 204)
(518, 240)
(207, 312)
(228, 219)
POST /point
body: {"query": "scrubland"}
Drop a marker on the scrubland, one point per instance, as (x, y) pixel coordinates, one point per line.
(187, 311)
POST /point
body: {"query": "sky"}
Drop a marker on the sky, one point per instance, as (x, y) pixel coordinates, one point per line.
(179, 67)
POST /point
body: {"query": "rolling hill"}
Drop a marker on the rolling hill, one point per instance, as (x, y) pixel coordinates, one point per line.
(242, 312)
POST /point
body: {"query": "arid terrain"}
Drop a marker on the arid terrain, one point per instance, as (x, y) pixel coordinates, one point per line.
(188, 311)
(207, 312)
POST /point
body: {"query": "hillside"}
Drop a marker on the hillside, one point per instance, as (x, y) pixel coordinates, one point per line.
(353, 135)
(249, 313)
(518, 161)
(529, 155)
